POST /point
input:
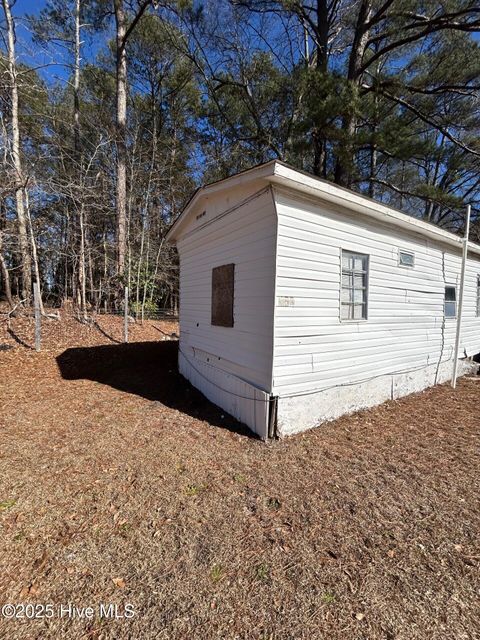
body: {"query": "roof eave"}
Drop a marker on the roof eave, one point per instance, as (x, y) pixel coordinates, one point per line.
(279, 173)
(329, 192)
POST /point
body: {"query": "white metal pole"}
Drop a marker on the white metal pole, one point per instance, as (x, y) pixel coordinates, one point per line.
(460, 299)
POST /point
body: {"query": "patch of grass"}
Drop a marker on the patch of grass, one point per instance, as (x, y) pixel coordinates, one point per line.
(192, 490)
(216, 572)
(239, 477)
(328, 597)
(262, 571)
(7, 504)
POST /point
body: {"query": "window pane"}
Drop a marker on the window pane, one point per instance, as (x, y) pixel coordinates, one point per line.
(450, 309)
(450, 294)
(359, 296)
(360, 263)
(359, 312)
(353, 261)
(360, 280)
(347, 279)
(406, 259)
(346, 312)
(347, 295)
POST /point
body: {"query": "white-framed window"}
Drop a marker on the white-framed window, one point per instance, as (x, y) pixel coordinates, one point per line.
(478, 295)
(354, 290)
(406, 259)
(450, 301)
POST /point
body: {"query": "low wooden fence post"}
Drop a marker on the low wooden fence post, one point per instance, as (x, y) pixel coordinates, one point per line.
(38, 316)
(125, 324)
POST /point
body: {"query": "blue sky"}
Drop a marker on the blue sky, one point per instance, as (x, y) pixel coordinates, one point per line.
(27, 51)
(28, 6)
(50, 63)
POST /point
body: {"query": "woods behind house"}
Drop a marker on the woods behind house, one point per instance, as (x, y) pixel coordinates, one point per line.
(114, 111)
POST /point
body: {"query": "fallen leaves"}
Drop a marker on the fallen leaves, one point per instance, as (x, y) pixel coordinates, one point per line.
(119, 582)
(314, 532)
(31, 590)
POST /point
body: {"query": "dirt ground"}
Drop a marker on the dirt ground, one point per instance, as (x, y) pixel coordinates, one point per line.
(121, 484)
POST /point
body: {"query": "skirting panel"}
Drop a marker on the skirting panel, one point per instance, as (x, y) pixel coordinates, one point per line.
(246, 403)
(303, 412)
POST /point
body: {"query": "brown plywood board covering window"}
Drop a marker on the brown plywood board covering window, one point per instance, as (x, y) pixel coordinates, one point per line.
(222, 295)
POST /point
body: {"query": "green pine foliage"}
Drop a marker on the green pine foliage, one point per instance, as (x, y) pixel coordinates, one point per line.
(381, 97)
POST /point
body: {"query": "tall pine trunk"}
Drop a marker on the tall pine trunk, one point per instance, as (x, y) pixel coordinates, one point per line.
(121, 204)
(16, 158)
(80, 208)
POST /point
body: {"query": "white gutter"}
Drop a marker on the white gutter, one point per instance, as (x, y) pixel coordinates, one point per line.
(460, 300)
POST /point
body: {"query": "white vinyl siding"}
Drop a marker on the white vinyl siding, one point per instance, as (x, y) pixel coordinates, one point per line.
(245, 237)
(406, 326)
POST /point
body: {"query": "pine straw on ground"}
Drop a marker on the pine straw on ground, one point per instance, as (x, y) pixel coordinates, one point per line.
(120, 484)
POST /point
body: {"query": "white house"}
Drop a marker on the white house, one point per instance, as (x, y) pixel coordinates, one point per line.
(301, 301)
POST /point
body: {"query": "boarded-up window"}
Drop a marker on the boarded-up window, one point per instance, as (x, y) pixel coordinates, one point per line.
(222, 295)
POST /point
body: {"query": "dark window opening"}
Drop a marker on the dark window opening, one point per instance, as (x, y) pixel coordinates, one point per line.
(406, 259)
(478, 295)
(450, 302)
(222, 295)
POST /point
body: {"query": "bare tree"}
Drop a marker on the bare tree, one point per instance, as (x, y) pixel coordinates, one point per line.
(122, 34)
(5, 275)
(16, 157)
(82, 279)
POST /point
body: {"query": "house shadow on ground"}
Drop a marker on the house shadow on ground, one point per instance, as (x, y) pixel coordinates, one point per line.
(146, 369)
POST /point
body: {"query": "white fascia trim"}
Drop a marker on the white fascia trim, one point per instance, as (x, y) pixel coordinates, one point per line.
(329, 192)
